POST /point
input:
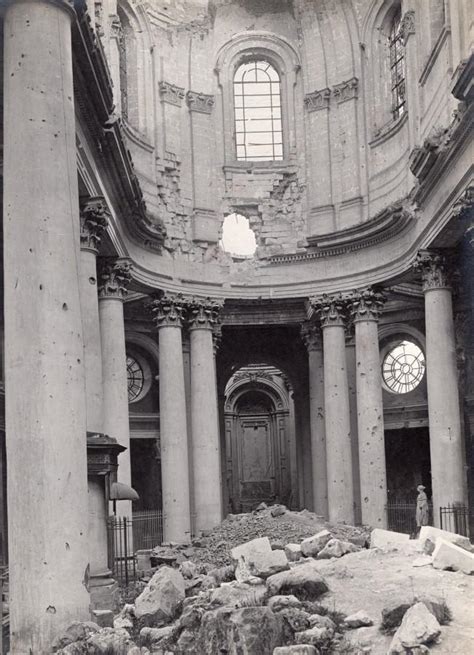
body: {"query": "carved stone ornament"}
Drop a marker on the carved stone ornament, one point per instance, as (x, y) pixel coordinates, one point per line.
(407, 25)
(311, 336)
(169, 310)
(171, 93)
(204, 313)
(115, 26)
(366, 304)
(317, 100)
(347, 90)
(200, 102)
(331, 310)
(463, 207)
(94, 215)
(114, 276)
(434, 268)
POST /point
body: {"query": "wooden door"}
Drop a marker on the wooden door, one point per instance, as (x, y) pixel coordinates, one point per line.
(256, 461)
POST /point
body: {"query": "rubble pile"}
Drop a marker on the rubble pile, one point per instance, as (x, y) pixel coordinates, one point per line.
(266, 596)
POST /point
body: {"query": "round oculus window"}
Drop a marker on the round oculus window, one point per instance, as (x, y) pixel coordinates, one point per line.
(135, 378)
(403, 367)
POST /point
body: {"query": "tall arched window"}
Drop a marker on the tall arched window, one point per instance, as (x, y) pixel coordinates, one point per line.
(257, 105)
(397, 66)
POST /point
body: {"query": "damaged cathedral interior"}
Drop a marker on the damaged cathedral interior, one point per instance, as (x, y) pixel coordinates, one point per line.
(237, 269)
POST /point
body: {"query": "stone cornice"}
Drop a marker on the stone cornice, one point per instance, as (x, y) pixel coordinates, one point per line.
(317, 100)
(435, 269)
(200, 102)
(311, 335)
(114, 275)
(407, 25)
(347, 90)
(169, 310)
(171, 93)
(203, 313)
(94, 216)
(366, 304)
(330, 309)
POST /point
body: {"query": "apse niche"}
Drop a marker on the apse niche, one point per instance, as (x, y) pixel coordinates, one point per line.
(238, 240)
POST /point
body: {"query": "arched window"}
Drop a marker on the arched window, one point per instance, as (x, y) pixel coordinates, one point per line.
(397, 66)
(257, 106)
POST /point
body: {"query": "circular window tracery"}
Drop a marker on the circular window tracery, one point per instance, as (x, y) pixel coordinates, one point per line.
(135, 378)
(403, 367)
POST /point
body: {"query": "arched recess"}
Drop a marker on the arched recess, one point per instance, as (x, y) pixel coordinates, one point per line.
(283, 57)
(258, 444)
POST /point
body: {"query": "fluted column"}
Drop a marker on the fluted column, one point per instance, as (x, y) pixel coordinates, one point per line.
(114, 278)
(332, 314)
(169, 313)
(312, 337)
(365, 307)
(202, 317)
(45, 397)
(447, 471)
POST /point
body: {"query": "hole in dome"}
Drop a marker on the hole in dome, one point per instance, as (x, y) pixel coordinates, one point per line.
(238, 239)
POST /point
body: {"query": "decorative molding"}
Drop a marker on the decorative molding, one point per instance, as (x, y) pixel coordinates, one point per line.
(311, 335)
(251, 377)
(423, 158)
(366, 304)
(347, 90)
(200, 102)
(116, 28)
(407, 25)
(330, 309)
(114, 277)
(94, 217)
(171, 93)
(463, 81)
(317, 100)
(169, 310)
(434, 268)
(203, 313)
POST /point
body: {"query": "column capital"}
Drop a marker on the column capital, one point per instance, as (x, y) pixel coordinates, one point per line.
(331, 309)
(114, 277)
(366, 304)
(203, 313)
(94, 215)
(311, 335)
(169, 310)
(435, 269)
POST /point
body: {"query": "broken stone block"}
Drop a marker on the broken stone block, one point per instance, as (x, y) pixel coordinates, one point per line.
(336, 548)
(313, 636)
(449, 556)
(428, 536)
(303, 581)
(278, 510)
(419, 627)
(293, 552)
(188, 570)
(110, 640)
(250, 548)
(295, 617)
(311, 546)
(262, 565)
(153, 636)
(318, 621)
(161, 597)
(238, 594)
(380, 538)
(296, 649)
(125, 618)
(358, 620)
(77, 631)
(143, 559)
(256, 558)
(277, 603)
(104, 618)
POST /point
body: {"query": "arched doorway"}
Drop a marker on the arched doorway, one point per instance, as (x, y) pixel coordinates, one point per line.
(259, 440)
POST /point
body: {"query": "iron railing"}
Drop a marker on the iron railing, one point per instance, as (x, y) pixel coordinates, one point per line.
(455, 518)
(126, 535)
(401, 517)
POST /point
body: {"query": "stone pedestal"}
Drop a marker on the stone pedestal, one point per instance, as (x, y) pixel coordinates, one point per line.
(365, 307)
(169, 311)
(114, 277)
(203, 316)
(312, 337)
(447, 471)
(332, 313)
(45, 401)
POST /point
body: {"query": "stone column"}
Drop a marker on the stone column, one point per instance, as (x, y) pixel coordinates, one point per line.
(45, 399)
(312, 338)
(366, 306)
(169, 311)
(447, 471)
(114, 278)
(203, 316)
(332, 313)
